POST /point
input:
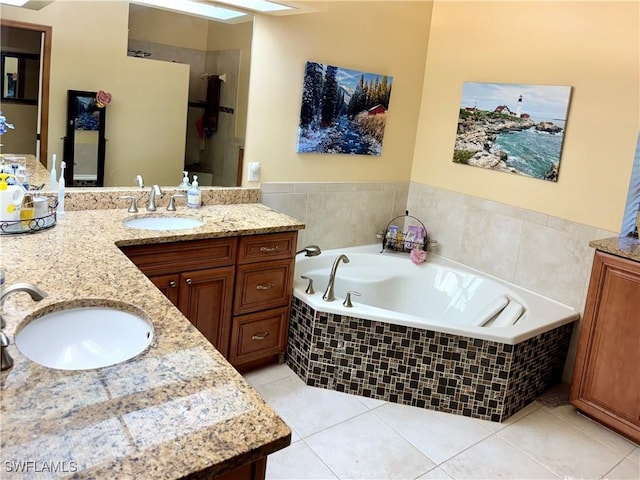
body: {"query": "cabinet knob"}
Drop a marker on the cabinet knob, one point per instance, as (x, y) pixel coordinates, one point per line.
(260, 336)
(269, 249)
(188, 281)
(172, 284)
(264, 286)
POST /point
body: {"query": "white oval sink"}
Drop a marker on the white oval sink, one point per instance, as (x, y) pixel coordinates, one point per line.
(163, 223)
(84, 338)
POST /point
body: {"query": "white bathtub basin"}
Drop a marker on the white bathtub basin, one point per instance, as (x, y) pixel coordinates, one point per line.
(163, 223)
(84, 338)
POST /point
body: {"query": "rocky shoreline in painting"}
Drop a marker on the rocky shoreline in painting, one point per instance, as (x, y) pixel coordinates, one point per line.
(477, 132)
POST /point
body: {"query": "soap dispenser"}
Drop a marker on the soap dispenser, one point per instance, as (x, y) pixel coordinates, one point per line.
(194, 196)
(185, 181)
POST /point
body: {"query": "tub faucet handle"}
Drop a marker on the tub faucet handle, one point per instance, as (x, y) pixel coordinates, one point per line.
(347, 301)
(309, 289)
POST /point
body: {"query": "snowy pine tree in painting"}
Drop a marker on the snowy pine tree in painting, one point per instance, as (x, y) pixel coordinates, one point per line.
(343, 111)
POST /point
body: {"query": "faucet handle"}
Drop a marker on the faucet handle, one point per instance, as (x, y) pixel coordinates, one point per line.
(309, 289)
(132, 206)
(347, 301)
(172, 203)
(138, 179)
(6, 361)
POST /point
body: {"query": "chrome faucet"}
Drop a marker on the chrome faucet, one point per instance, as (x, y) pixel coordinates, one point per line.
(36, 294)
(328, 293)
(151, 205)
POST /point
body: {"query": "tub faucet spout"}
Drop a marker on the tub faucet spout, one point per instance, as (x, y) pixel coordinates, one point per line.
(328, 293)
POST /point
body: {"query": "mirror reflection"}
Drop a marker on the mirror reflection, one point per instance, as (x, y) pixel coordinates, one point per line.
(218, 55)
(20, 76)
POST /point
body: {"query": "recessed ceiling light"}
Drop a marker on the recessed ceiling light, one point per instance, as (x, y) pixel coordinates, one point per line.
(15, 3)
(193, 8)
(258, 5)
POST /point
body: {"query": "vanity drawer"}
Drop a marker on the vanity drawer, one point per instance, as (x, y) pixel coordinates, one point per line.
(175, 257)
(263, 286)
(258, 335)
(271, 246)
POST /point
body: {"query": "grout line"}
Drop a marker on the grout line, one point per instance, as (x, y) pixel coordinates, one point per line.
(588, 434)
(546, 467)
(335, 474)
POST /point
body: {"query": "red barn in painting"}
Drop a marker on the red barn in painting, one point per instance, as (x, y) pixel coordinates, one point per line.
(376, 110)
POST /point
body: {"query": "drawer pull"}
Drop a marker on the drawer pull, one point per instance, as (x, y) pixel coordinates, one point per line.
(262, 286)
(260, 336)
(172, 284)
(269, 249)
(188, 281)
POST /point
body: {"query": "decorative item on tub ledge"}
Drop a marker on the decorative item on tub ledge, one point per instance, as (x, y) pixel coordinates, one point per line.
(407, 237)
(102, 99)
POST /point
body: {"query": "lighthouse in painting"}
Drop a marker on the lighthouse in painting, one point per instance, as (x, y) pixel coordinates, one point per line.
(519, 107)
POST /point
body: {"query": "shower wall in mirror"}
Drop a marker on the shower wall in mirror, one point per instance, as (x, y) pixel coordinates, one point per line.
(212, 155)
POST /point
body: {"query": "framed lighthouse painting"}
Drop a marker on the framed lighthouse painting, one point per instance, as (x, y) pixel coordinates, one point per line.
(512, 128)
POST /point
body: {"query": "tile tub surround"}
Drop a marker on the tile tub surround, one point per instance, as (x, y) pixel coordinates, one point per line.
(338, 214)
(449, 373)
(548, 255)
(176, 410)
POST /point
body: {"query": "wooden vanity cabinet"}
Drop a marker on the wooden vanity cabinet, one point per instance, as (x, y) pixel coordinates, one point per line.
(235, 291)
(606, 378)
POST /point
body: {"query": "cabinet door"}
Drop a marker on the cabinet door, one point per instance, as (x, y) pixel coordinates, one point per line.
(206, 300)
(606, 381)
(167, 284)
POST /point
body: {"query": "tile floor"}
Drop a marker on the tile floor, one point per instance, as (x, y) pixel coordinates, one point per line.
(342, 436)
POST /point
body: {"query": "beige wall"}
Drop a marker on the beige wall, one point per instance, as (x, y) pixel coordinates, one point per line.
(379, 37)
(167, 28)
(146, 118)
(592, 46)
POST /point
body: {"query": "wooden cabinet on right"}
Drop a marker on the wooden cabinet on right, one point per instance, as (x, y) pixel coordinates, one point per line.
(606, 378)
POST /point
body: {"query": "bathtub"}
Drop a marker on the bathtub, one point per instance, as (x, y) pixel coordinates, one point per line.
(439, 294)
(437, 335)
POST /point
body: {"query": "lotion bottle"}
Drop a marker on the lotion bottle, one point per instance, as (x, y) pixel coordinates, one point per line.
(185, 181)
(194, 196)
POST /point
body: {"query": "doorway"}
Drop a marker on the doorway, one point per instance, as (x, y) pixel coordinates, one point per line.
(12, 32)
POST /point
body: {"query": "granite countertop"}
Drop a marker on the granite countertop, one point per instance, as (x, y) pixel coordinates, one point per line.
(626, 247)
(177, 410)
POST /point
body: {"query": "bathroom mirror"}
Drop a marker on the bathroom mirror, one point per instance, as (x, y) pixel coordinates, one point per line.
(20, 76)
(84, 144)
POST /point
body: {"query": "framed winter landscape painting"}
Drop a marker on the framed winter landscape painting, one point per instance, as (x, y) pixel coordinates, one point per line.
(343, 111)
(512, 128)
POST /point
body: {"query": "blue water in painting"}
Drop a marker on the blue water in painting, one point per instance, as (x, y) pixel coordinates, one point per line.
(530, 151)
